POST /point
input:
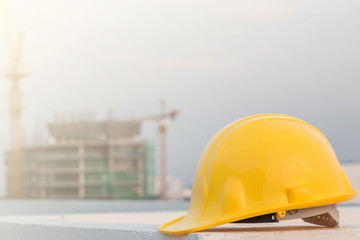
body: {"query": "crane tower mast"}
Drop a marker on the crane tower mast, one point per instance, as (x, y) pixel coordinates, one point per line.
(16, 72)
(161, 117)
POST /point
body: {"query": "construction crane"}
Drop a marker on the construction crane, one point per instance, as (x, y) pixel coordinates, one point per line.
(161, 117)
(16, 72)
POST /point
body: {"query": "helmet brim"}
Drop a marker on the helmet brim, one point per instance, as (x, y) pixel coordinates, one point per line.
(189, 227)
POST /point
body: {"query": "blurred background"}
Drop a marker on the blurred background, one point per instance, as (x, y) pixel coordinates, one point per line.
(116, 100)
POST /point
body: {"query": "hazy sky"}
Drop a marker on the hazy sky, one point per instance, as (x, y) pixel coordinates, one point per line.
(215, 61)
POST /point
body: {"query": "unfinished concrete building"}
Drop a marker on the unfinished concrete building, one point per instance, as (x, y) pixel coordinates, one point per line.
(90, 159)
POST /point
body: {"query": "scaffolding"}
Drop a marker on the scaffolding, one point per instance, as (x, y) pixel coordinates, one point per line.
(91, 159)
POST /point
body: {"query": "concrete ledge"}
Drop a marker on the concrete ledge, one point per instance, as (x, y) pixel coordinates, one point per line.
(144, 226)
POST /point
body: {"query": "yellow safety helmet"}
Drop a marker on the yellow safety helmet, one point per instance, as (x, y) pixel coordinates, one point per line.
(265, 168)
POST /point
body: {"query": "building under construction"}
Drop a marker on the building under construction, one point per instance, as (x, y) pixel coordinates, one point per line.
(89, 159)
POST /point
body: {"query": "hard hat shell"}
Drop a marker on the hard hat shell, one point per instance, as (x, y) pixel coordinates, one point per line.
(259, 165)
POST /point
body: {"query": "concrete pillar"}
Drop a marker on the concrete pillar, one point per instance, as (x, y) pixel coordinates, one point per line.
(81, 171)
(140, 173)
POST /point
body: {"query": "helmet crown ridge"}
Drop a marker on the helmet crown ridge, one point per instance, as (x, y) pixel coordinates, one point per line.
(260, 165)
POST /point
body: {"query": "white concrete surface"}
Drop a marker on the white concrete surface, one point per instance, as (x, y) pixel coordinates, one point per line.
(130, 226)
